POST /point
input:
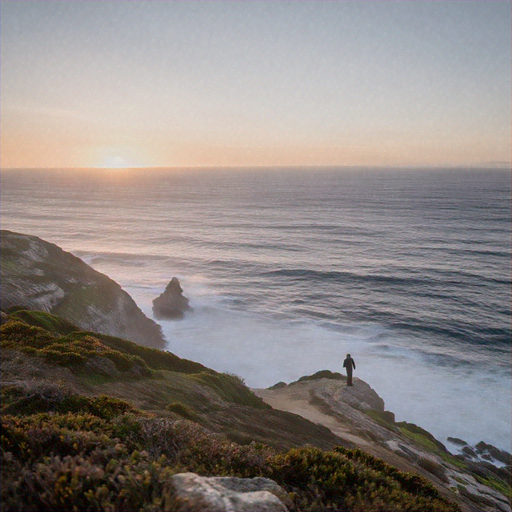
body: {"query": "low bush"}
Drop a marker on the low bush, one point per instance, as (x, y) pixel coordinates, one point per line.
(71, 350)
(56, 462)
(65, 451)
(50, 323)
(31, 331)
(20, 401)
(183, 410)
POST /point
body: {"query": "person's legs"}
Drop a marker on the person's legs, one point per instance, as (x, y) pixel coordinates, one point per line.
(349, 378)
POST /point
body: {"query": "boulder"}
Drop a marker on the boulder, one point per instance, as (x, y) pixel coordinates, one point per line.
(171, 304)
(194, 493)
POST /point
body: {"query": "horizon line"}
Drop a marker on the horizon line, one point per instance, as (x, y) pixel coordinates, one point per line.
(483, 165)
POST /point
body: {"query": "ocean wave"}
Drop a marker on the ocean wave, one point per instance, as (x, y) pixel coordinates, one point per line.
(340, 276)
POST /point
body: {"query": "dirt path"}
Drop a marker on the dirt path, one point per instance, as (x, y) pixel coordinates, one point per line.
(292, 399)
(296, 399)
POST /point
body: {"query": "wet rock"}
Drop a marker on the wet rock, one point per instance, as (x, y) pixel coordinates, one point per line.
(469, 452)
(171, 304)
(195, 493)
(488, 450)
(457, 441)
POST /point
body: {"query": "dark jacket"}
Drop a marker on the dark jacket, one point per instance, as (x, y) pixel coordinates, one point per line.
(349, 364)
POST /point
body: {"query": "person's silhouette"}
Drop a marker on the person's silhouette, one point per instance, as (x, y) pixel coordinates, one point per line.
(349, 364)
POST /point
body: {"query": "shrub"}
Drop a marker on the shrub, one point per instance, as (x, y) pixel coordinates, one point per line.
(71, 350)
(16, 334)
(48, 398)
(84, 462)
(183, 410)
(50, 323)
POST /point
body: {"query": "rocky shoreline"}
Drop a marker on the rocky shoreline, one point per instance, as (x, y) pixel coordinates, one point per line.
(357, 415)
(37, 275)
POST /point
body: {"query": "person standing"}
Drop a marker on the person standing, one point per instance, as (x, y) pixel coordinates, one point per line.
(349, 364)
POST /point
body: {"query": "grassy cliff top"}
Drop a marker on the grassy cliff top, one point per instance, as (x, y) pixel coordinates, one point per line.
(92, 422)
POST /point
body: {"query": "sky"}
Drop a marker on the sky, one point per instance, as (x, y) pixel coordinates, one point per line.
(255, 83)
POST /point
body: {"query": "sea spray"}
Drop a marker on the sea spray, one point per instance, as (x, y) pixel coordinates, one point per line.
(461, 399)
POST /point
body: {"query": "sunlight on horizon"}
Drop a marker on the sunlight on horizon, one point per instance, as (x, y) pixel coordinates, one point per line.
(243, 84)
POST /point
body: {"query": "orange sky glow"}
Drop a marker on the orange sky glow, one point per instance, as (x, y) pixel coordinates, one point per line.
(185, 84)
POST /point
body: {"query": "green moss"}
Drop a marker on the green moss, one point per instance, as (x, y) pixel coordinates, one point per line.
(384, 419)
(426, 437)
(417, 435)
(499, 485)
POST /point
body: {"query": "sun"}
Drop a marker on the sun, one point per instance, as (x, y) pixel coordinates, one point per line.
(115, 162)
(118, 157)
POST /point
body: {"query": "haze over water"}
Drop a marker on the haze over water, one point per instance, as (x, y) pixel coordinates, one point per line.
(288, 270)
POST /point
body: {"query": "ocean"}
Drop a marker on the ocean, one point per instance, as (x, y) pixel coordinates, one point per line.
(288, 270)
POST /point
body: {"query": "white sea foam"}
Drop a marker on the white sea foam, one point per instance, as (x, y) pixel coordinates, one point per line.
(469, 402)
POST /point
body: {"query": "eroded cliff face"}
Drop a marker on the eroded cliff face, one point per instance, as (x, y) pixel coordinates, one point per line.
(36, 274)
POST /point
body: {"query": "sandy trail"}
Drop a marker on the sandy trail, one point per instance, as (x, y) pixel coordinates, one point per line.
(296, 399)
(293, 399)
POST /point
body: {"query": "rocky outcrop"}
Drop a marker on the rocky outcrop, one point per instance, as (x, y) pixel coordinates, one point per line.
(482, 452)
(36, 274)
(227, 494)
(171, 304)
(357, 415)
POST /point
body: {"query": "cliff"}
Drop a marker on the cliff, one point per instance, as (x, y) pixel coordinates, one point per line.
(357, 415)
(95, 421)
(38, 275)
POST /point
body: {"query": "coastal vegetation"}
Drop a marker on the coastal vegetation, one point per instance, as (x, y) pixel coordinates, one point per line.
(71, 442)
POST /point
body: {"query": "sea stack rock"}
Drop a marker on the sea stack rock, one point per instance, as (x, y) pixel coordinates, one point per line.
(171, 305)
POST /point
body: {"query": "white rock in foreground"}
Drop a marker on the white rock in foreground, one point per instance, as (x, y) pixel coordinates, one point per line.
(228, 494)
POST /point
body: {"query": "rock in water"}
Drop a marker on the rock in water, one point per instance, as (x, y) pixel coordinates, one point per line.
(171, 305)
(227, 494)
